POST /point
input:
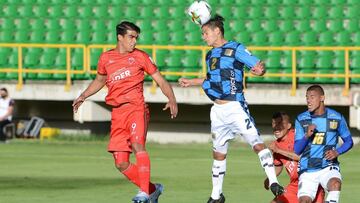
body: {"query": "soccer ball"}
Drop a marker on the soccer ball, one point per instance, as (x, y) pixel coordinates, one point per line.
(200, 12)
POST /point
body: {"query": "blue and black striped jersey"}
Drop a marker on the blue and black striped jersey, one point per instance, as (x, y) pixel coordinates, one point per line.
(225, 71)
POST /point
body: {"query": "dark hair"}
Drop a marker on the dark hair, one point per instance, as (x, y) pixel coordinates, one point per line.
(4, 89)
(317, 88)
(216, 21)
(122, 28)
(281, 115)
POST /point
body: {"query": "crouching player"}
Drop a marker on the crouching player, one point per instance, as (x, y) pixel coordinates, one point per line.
(284, 156)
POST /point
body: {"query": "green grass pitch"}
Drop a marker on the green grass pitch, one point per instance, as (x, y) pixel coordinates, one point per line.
(83, 172)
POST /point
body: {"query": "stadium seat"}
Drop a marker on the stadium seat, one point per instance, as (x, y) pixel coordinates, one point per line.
(225, 11)
(352, 12)
(355, 62)
(22, 24)
(326, 38)
(162, 37)
(305, 2)
(271, 26)
(194, 38)
(6, 35)
(22, 37)
(190, 70)
(320, 12)
(303, 79)
(52, 37)
(259, 38)
(237, 26)
(290, 2)
(55, 11)
(175, 25)
(26, 11)
(192, 59)
(292, 38)
(146, 12)
(276, 38)
(160, 25)
(287, 12)
(336, 25)
(243, 37)
(84, 25)
(101, 11)
(86, 11)
(255, 12)
(68, 37)
(343, 38)
(307, 60)
(338, 80)
(287, 25)
(71, 11)
(253, 26)
(38, 25)
(273, 60)
(68, 24)
(98, 38)
(286, 79)
(336, 12)
(172, 78)
(271, 79)
(271, 12)
(37, 36)
(356, 39)
(161, 56)
(319, 25)
(323, 79)
(355, 79)
(94, 57)
(286, 61)
(303, 12)
(10, 10)
(338, 2)
(174, 60)
(303, 25)
(309, 38)
(146, 38)
(321, 2)
(352, 25)
(161, 12)
(52, 24)
(325, 60)
(83, 37)
(178, 38)
(240, 12)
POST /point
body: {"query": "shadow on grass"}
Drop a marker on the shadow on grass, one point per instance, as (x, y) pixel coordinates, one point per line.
(56, 183)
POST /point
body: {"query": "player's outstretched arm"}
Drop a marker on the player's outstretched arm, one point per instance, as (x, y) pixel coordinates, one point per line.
(184, 82)
(289, 154)
(93, 87)
(258, 69)
(168, 92)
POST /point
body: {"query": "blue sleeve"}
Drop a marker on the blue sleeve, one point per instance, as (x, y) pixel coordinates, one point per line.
(300, 139)
(244, 56)
(345, 136)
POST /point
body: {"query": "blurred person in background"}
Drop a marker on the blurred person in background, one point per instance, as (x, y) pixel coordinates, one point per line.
(6, 112)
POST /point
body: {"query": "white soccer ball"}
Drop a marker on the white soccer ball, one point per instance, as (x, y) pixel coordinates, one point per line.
(200, 12)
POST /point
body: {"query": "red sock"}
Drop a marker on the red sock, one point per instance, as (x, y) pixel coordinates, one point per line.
(143, 165)
(132, 174)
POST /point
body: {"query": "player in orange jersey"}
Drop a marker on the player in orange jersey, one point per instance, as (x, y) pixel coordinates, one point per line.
(122, 71)
(284, 156)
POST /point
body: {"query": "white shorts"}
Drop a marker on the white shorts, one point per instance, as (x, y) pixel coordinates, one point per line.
(309, 181)
(229, 120)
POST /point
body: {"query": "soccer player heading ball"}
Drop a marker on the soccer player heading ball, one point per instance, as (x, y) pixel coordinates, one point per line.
(230, 115)
(122, 70)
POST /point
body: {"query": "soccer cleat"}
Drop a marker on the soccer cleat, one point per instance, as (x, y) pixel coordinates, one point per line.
(141, 197)
(155, 195)
(277, 189)
(220, 200)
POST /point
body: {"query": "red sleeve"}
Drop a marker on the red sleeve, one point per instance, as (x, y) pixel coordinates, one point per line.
(101, 65)
(149, 66)
(277, 161)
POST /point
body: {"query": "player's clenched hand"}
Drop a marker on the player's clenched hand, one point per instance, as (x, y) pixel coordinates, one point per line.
(266, 184)
(173, 108)
(258, 69)
(77, 102)
(272, 146)
(184, 82)
(310, 130)
(331, 154)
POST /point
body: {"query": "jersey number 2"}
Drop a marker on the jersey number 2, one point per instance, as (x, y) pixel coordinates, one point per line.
(248, 126)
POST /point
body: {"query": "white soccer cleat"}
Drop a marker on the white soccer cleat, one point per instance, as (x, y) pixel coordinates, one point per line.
(141, 197)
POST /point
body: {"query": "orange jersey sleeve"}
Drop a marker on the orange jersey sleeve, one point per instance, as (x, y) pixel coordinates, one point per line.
(149, 65)
(101, 65)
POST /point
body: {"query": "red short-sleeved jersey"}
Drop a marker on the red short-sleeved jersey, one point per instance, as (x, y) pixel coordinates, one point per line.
(289, 164)
(125, 75)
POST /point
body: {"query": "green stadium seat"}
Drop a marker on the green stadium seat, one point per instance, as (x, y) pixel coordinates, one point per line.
(38, 25)
(339, 61)
(161, 12)
(161, 56)
(303, 25)
(271, 26)
(52, 37)
(101, 11)
(336, 25)
(352, 12)
(353, 79)
(292, 38)
(55, 11)
(352, 25)
(178, 38)
(259, 38)
(321, 2)
(83, 37)
(273, 60)
(255, 12)
(309, 38)
(4, 53)
(320, 12)
(22, 24)
(338, 2)
(237, 25)
(306, 79)
(254, 26)
(286, 79)
(77, 64)
(287, 25)
(326, 38)
(162, 37)
(262, 55)
(306, 2)
(53, 24)
(86, 11)
(146, 12)
(71, 11)
(271, 79)
(290, 2)
(242, 2)
(287, 12)
(336, 12)
(225, 10)
(276, 38)
(21, 36)
(115, 12)
(7, 24)
(325, 60)
(37, 36)
(273, 2)
(26, 11)
(243, 37)
(174, 59)
(323, 79)
(172, 78)
(356, 39)
(272, 12)
(258, 2)
(176, 25)
(192, 59)
(190, 70)
(239, 12)
(146, 38)
(254, 79)
(320, 25)
(355, 62)
(287, 60)
(94, 57)
(307, 60)
(160, 25)
(98, 38)
(68, 24)
(343, 38)
(10, 10)
(338, 80)
(303, 12)
(6, 35)
(84, 25)
(68, 37)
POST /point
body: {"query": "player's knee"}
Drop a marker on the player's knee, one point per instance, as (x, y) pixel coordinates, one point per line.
(258, 147)
(219, 156)
(305, 199)
(334, 184)
(122, 166)
(138, 147)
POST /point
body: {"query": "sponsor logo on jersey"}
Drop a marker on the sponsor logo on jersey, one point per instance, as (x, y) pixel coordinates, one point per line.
(232, 82)
(131, 60)
(119, 75)
(228, 52)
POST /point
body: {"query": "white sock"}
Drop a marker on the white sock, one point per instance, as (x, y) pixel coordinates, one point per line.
(218, 173)
(333, 197)
(267, 162)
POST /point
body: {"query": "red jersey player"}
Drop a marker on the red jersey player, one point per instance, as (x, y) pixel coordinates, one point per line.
(284, 156)
(122, 71)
